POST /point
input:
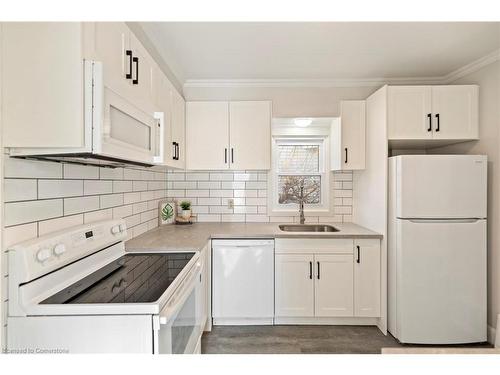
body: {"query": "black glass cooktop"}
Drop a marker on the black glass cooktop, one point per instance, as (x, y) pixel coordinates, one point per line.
(132, 278)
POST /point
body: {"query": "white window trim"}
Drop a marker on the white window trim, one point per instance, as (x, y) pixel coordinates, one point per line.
(325, 208)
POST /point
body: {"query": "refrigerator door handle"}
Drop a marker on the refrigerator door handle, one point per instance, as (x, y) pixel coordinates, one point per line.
(431, 221)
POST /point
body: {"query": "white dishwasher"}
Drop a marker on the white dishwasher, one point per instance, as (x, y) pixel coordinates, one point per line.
(242, 282)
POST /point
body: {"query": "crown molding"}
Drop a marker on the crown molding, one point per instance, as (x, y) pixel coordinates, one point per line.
(355, 82)
(472, 67)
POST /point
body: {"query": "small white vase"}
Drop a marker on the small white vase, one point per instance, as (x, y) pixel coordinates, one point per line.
(186, 214)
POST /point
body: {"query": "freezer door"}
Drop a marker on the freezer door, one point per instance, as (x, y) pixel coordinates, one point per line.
(441, 281)
(441, 186)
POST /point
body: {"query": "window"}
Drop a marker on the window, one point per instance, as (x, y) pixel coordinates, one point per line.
(299, 163)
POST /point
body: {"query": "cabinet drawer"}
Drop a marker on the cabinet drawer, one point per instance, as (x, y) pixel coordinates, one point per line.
(316, 245)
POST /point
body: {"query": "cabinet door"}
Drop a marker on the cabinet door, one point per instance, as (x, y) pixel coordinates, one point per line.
(42, 84)
(179, 127)
(352, 120)
(207, 129)
(294, 285)
(409, 112)
(142, 75)
(250, 135)
(367, 278)
(333, 285)
(111, 42)
(165, 105)
(456, 109)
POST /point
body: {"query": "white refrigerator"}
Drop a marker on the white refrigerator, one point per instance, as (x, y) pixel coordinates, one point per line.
(437, 248)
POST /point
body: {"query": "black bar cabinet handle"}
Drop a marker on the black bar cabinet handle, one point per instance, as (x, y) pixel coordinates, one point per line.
(318, 269)
(310, 270)
(178, 150)
(129, 54)
(345, 155)
(232, 155)
(429, 115)
(135, 81)
(358, 259)
(225, 156)
(437, 118)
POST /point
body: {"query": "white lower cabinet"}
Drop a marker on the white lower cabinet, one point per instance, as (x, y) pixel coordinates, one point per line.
(294, 286)
(331, 281)
(367, 278)
(333, 285)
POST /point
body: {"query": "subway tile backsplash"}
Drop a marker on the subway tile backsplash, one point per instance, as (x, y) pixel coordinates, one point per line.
(209, 193)
(43, 197)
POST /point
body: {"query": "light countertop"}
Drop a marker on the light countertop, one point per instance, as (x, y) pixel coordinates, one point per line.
(194, 237)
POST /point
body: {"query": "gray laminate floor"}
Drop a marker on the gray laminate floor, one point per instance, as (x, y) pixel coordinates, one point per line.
(296, 340)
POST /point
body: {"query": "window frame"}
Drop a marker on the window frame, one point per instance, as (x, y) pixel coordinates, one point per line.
(324, 207)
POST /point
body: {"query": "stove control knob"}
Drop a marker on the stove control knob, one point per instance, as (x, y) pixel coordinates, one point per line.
(123, 228)
(59, 249)
(43, 255)
(115, 229)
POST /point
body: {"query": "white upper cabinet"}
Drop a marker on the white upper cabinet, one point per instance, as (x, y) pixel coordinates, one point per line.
(334, 285)
(433, 112)
(178, 129)
(142, 74)
(207, 135)
(42, 84)
(348, 136)
(367, 278)
(455, 111)
(410, 113)
(163, 93)
(228, 135)
(109, 42)
(250, 135)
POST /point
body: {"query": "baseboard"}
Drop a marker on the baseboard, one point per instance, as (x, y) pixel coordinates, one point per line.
(492, 336)
(242, 321)
(326, 321)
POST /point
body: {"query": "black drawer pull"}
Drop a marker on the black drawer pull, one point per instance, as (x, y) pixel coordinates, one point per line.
(358, 259)
(437, 118)
(429, 115)
(310, 270)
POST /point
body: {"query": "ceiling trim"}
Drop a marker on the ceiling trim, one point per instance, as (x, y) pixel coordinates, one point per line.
(357, 82)
(472, 67)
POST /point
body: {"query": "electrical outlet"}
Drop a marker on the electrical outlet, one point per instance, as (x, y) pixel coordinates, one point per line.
(230, 203)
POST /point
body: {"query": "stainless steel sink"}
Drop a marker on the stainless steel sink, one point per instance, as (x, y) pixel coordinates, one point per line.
(307, 228)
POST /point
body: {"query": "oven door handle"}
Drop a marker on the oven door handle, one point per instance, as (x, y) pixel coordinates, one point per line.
(181, 294)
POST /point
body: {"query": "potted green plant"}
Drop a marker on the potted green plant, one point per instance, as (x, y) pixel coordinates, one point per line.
(186, 209)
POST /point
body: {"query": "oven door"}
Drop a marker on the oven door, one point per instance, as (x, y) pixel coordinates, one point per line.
(179, 327)
(126, 132)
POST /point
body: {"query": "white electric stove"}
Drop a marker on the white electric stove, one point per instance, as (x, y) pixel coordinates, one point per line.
(78, 291)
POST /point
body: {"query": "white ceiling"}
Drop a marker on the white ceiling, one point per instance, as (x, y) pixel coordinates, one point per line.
(315, 51)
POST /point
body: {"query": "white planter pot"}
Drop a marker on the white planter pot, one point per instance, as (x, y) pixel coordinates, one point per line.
(186, 214)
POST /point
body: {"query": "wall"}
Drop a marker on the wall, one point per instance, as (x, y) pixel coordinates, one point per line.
(287, 101)
(209, 193)
(488, 79)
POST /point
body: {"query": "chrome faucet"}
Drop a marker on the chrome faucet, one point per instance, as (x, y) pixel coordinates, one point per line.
(301, 206)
